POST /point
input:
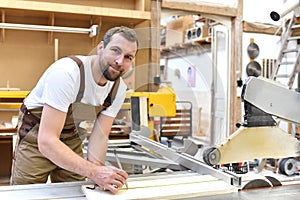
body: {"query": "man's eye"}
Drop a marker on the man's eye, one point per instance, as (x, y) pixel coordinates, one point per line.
(116, 50)
(129, 58)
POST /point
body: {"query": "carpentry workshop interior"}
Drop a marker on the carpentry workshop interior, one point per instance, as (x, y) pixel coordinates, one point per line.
(211, 101)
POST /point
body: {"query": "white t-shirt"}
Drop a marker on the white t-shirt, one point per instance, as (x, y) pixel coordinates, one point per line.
(59, 86)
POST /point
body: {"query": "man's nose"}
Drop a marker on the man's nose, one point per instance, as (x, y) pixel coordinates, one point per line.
(120, 59)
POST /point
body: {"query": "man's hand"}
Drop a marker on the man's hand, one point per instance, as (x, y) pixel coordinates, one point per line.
(109, 177)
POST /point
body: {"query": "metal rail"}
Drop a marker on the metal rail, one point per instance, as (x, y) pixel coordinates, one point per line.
(185, 160)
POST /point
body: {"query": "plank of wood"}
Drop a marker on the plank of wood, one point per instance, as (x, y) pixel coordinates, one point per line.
(200, 7)
(255, 27)
(162, 188)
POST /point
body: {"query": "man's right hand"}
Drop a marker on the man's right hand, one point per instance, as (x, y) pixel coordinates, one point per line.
(109, 177)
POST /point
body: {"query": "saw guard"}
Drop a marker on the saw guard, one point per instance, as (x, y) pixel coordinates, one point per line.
(256, 143)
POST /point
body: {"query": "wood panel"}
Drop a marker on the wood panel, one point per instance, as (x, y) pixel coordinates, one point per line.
(165, 187)
(252, 27)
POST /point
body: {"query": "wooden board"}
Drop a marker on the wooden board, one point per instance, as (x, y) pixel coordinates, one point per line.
(162, 187)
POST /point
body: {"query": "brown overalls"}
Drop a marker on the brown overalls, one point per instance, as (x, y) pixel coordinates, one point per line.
(29, 165)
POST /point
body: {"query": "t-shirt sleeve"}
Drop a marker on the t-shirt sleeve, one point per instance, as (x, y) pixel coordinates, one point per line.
(61, 88)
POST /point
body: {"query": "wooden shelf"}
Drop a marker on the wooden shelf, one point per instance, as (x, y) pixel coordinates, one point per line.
(92, 12)
(76, 9)
(195, 47)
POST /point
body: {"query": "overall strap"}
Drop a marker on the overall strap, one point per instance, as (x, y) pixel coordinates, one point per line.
(82, 77)
(112, 94)
(110, 97)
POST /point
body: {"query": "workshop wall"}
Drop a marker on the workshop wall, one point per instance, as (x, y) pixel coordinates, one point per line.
(194, 88)
(259, 11)
(269, 46)
(26, 54)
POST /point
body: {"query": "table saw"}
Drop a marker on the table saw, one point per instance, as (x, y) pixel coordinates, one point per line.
(195, 179)
(187, 177)
(266, 104)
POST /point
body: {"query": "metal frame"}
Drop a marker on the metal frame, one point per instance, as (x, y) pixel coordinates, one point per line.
(141, 157)
(185, 160)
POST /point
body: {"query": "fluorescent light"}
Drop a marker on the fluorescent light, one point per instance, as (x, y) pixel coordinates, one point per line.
(92, 31)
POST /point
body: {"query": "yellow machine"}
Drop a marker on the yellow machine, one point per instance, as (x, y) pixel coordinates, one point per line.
(146, 105)
(12, 99)
(161, 103)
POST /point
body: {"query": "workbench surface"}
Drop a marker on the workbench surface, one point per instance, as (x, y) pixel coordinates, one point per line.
(70, 190)
(287, 192)
(145, 186)
(73, 190)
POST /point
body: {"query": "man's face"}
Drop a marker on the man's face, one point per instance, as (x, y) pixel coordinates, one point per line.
(117, 57)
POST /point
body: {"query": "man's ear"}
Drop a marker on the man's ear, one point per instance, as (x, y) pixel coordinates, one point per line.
(100, 47)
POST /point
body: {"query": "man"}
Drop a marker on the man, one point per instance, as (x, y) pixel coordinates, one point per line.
(49, 143)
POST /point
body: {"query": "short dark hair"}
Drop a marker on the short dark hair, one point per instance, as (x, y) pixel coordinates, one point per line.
(126, 32)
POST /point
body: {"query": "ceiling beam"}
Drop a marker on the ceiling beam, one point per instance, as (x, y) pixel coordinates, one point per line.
(251, 27)
(200, 7)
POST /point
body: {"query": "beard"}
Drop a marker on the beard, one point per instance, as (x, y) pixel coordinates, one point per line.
(110, 76)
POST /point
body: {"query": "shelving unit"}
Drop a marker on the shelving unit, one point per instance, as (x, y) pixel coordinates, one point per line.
(186, 48)
(181, 36)
(35, 48)
(92, 12)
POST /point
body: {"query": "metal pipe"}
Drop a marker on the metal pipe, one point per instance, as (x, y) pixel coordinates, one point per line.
(92, 31)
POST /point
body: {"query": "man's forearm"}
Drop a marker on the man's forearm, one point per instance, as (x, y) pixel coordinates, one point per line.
(97, 146)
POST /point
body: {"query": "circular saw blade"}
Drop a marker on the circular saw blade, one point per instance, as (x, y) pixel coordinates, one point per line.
(256, 183)
(253, 50)
(253, 69)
